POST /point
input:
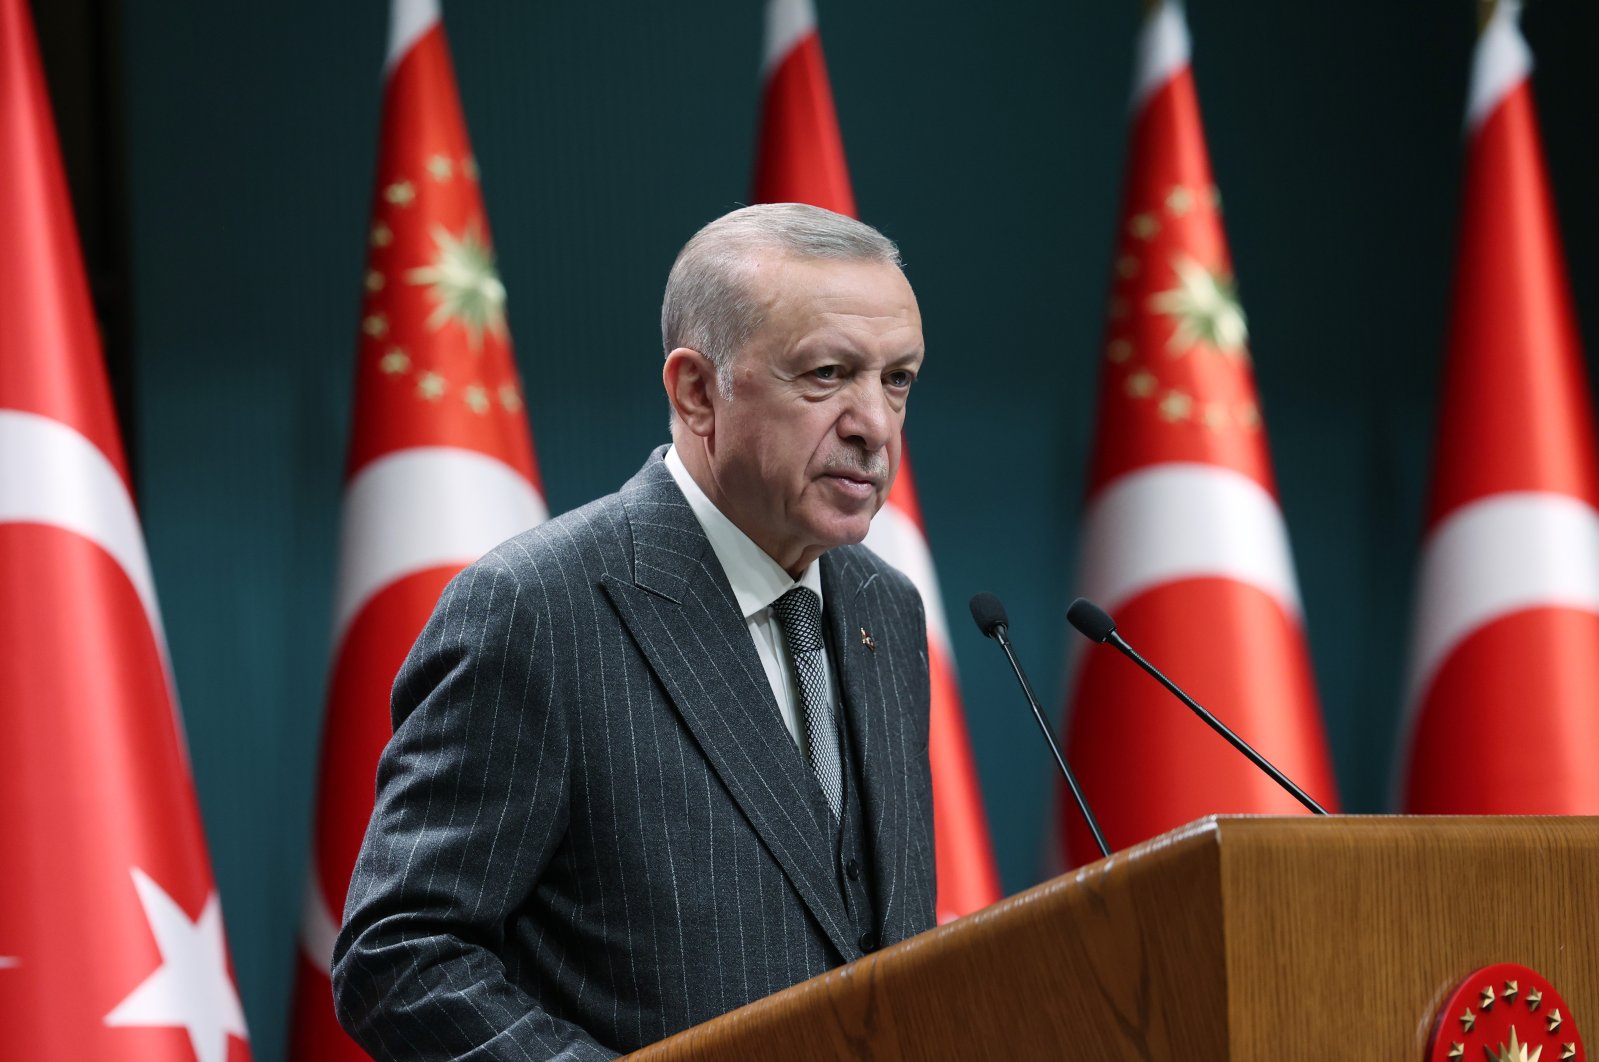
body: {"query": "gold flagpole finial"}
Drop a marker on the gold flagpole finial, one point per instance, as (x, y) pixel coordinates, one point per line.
(1485, 12)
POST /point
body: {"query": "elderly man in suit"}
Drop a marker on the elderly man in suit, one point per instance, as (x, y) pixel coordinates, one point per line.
(667, 754)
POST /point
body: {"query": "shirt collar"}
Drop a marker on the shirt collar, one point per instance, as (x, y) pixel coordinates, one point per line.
(757, 580)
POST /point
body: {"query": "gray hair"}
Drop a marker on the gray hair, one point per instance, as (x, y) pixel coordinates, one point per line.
(708, 305)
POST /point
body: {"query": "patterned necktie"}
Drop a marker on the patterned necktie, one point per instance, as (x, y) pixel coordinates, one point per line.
(800, 613)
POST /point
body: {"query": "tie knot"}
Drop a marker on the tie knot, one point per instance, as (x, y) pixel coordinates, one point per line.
(800, 613)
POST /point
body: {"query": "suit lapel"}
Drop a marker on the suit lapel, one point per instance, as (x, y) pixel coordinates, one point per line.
(682, 613)
(873, 716)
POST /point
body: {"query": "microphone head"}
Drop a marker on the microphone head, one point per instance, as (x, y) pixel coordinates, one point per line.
(988, 613)
(1093, 622)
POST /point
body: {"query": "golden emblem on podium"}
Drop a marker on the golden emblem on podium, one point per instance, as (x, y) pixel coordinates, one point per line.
(1505, 1013)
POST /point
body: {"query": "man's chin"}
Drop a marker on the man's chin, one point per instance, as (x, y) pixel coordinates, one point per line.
(852, 530)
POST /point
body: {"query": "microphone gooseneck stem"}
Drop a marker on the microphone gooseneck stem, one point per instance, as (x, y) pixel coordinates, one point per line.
(1217, 725)
(1003, 639)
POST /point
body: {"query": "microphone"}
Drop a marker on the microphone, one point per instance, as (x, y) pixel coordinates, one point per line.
(990, 617)
(1095, 624)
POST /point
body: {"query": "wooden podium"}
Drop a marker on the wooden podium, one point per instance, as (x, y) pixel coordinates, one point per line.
(1231, 938)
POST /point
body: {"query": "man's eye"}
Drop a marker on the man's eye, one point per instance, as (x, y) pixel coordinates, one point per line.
(826, 372)
(900, 378)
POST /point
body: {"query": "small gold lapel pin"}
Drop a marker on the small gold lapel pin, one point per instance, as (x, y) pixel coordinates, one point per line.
(867, 640)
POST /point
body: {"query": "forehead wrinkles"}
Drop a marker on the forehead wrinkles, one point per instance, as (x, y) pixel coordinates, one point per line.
(805, 301)
(837, 306)
(844, 305)
(888, 337)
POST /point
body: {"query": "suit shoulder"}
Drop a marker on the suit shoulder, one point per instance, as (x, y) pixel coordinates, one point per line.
(595, 534)
(557, 562)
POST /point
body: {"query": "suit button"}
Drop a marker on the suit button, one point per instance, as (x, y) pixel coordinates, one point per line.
(868, 941)
(852, 870)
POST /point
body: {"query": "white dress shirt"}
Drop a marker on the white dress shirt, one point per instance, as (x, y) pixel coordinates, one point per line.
(757, 581)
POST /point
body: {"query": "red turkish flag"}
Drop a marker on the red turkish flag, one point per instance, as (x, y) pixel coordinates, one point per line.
(800, 159)
(441, 465)
(1184, 540)
(111, 940)
(1503, 699)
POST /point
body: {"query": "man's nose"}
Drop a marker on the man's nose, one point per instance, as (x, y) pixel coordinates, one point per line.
(869, 420)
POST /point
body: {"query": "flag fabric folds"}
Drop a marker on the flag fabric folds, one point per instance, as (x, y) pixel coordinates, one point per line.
(800, 159)
(111, 938)
(1183, 538)
(441, 465)
(1503, 693)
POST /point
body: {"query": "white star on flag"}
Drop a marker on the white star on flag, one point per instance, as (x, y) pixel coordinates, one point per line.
(464, 284)
(1205, 307)
(191, 988)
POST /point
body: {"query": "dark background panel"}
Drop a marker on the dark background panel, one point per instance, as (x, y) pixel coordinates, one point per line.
(221, 158)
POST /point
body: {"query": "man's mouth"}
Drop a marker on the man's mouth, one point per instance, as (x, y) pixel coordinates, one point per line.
(854, 483)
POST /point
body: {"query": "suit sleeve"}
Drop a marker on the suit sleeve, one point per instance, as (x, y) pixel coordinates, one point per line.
(471, 803)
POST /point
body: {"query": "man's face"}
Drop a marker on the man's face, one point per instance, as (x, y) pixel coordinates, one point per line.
(804, 453)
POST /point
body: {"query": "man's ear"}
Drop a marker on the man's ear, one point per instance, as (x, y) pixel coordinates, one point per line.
(690, 381)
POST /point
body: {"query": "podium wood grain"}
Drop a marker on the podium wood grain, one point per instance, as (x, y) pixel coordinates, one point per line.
(1231, 938)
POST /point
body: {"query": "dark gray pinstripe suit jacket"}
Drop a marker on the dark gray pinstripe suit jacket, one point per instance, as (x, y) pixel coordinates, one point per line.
(592, 827)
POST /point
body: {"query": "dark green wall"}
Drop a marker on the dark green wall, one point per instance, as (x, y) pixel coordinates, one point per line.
(987, 139)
